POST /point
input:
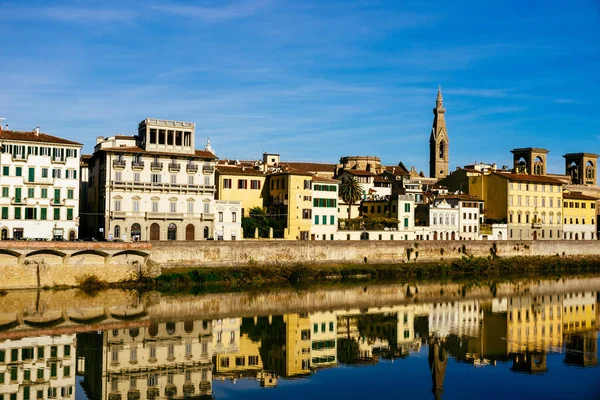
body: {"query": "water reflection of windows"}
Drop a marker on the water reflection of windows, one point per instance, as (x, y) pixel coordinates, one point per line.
(188, 376)
(188, 349)
(252, 360)
(219, 337)
(225, 362)
(240, 361)
(170, 379)
(152, 380)
(171, 351)
(152, 351)
(232, 337)
(114, 384)
(204, 375)
(204, 347)
(132, 382)
(133, 354)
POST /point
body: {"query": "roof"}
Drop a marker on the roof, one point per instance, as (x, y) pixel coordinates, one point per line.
(590, 155)
(399, 169)
(380, 179)
(358, 172)
(134, 149)
(578, 196)
(234, 170)
(458, 196)
(310, 166)
(326, 180)
(292, 172)
(529, 178)
(33, 137)
(530, 149)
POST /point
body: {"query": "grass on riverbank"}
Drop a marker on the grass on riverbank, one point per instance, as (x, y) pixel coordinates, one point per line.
(466, 268)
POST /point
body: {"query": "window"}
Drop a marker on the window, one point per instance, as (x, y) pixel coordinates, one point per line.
(316, 220)
(173, 179)
(56, 196)
(4, 212)
(5, 191)
(19, 171)
(255, 184)
(154, 205)
(30, 193)
(225, 362)
(56, 214)
(117, 176)
(44, 194)
(117, 205)
(17, 212)
(331, 327)
(220, 216)
(44, 172)
(136, 176)
(307, 184)
(155, 178)
(136, 206)
(227, 183)
(190, 179)
(69, 214)
(324, 219)
(173, 206)
(206, 208)
(332, 220)
(5, 170)
(242, 184)
(66, 371)
(70, 193)
(234, 217)
(406, 207)
(306, 213)
(190, 207)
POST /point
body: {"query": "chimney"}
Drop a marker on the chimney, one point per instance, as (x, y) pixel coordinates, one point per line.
(37, 131)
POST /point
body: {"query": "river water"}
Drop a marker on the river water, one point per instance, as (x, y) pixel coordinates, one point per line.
(526, 339)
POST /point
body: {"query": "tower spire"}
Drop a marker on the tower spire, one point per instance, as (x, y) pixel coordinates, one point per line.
(439, 101)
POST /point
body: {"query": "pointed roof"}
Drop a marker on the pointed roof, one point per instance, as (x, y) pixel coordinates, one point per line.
(439, 98)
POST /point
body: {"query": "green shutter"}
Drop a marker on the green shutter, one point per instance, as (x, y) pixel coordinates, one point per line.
(44, 172)
(332, 218)
(316, 220)
(69, 214)
(5, 170)
(44, 213)
(56, 214)
(30, 193)
(56, 196)
(44, 193)
(4, 216)
(19, 171)
(18, 195)
(324, 219)
(4, 192)
(70, 194)
(17, 212)
(406, 222)
(31, 176)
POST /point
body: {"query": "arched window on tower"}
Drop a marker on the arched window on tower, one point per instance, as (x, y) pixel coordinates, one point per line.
(442, 149)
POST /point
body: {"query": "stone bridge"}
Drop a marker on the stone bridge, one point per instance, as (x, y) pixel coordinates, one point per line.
(39, 264)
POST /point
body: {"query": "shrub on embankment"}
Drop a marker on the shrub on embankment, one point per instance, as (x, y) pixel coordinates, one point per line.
(467, 267)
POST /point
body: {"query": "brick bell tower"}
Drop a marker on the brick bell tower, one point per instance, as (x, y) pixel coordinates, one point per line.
(439, 141)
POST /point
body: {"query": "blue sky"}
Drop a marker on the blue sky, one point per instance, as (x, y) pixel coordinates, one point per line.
(311, 80)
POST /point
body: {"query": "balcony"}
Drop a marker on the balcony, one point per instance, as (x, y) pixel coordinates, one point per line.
(43, 181)
(17, 201)
(19, 157)
(208, 217)
(164, 216)
(191, 168)
(57, 202)
(536, 225)
(137, 165)
(59, 160)
(117, 214)
(156, 166)
(174, 167)
(120, 164)
(208, 169)
(167, 187)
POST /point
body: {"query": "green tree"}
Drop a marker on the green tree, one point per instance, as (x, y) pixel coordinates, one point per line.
(351, 192)
(257, 219)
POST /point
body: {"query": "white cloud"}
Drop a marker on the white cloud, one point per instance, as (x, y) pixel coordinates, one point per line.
(214, 14)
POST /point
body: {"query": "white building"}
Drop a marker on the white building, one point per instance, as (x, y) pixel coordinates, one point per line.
(456, 216)
(40, 367)
(405, 212)
(325, 194)
(153, 186)
(323, 339)
(40, 186)
(461, 318)
(228, 222)
(443, 219)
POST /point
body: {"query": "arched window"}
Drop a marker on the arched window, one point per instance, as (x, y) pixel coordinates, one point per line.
(172, 232)
(4, 234)
(453, 219)
(589, 170)
(206, 232)
(434, 219)
(117, 232)
(442, 149)
(447, 220)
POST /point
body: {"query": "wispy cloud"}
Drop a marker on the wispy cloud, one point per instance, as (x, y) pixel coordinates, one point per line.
(213, 14)
(73, 14)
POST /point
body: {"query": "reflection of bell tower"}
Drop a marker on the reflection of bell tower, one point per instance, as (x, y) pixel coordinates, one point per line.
(582, 168)
(530, 160)
(438, 359)
(438, 142)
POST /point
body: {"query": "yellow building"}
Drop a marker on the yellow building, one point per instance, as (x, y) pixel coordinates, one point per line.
(243, 184)
(289, 357)
(579, 216)
(246, 361)
(534, 323)
(290, 199)
(579, 312)
(530, 204)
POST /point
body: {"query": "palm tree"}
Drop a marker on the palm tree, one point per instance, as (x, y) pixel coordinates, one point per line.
(350, 192)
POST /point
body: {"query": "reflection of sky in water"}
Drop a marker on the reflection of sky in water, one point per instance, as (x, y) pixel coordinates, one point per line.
(409, 378)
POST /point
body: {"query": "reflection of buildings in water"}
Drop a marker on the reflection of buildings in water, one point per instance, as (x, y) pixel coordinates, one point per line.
(461, 318)
(438, 359)
(226, 335)
(529, 362)
(582, 349)
(534, 323)
(171, 359)
(579, 311)
(323, 339)
(37, 368)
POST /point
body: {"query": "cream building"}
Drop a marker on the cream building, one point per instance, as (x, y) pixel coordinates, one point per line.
(38, 368)
(40, 186)
(153, 186)
(579, 216)
(443, 219)
(324, 338)
(325, 193)
(462, 318)
(228, 220)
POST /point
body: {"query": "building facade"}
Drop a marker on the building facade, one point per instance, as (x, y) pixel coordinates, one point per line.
(40, 186)
(325, 193)
(579, 216)
(153, 186)
(239, 183)
(290, 200)
(228, 220)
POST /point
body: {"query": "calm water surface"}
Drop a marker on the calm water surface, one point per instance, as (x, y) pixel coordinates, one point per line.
(535, 339)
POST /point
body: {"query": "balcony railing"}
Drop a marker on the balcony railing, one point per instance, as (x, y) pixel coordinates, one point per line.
(137, 165)
(19, 200)
(58, 160)
(174, 166)
(163, 215)
(191, 168)
(208, 169)
(57, 202)
(163, 186)
(119, 163)
(208, 217)
(156, 166)
(19, 157)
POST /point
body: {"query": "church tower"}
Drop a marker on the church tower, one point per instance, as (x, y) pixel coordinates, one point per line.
(438, 142)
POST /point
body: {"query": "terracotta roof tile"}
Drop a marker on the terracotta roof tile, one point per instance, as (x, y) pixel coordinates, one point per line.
(310, 167)
(578, 196)
(358, 172)
(327, 180)
(32, 137)
(529, 178)
(234, 170)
